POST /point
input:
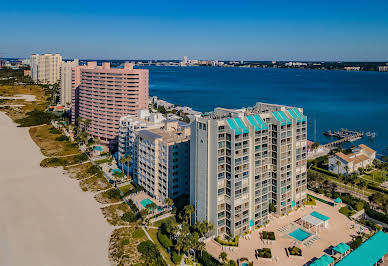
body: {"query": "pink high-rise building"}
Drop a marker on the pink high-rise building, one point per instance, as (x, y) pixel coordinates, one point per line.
(103, 95)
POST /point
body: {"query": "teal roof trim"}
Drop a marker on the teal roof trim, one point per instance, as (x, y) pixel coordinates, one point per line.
(257, 122)
(303, 117)
(232, 125)
(294, 115)
(370, 252)
(278, 117)
(341, 248)
(253, 123)
(283, 115)
(323, 261)
(260, 121)
(320, 216)
(241, 125)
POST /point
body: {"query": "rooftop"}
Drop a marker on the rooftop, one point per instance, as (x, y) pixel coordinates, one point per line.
(369, 252)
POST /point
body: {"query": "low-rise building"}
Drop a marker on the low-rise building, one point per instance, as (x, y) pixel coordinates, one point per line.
(361, 157)
(162, 160)
(383, 68)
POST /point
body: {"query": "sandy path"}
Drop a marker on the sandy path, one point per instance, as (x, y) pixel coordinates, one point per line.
(45, 218)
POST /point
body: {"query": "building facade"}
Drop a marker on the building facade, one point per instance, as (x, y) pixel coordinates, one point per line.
(162, 160)
(361, 157)
(242, 160)
(66, 81)
(103, 94)
(130, 125)
(45, 68)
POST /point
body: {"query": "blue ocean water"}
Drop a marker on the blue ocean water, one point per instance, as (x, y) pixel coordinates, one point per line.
(334, 99)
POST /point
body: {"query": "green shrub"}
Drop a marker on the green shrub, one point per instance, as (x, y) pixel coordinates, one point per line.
(53, 162)
(164, 240)
(228, 243)
(176, 258)
(264, 253)
(125, 242)
(206, 259)
(35, 118)
(94, 169)
(356, 242)
(62, 138)
(54, 130)
(129, 217)
(295, 251)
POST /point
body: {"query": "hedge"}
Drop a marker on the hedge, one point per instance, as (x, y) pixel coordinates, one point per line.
(323, 171)
(164, 240)
(176, 258)
(228, 243)
(377, 188)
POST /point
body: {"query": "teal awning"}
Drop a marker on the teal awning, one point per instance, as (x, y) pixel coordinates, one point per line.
(320, 216)
(237, 125)
(292, 203)
(370, 252)
(341, 248)
(323, 261)
(283, 203)
(251, 223)
(338, 200)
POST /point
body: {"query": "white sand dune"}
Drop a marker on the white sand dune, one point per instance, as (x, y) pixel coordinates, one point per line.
(45, 218)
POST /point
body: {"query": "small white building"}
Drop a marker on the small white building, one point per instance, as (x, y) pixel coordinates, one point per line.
(362, 156)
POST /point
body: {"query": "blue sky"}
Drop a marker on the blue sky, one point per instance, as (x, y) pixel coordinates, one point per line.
(226, 30)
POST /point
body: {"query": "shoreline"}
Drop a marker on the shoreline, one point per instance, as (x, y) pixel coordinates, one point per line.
(45, 217)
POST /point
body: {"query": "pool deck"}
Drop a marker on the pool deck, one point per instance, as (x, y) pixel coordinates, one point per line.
(339, 230)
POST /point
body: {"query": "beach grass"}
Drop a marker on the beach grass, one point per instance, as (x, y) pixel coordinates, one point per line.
(46, 138)
(95, 183)
(123, 246)
(80, 171)
(113, 213)
(64, 161)
(110, 196)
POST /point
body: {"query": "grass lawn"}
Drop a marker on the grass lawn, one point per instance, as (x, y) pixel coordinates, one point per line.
(160, 222)
(126, 188)
(346, 211)
(64, 161)
(110, 196)
(112, 214)
(378, 176)
(45, 137)
(123, 246)
(94, 183)
(153, 234)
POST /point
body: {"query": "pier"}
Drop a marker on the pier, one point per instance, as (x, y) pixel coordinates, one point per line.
(344, 135)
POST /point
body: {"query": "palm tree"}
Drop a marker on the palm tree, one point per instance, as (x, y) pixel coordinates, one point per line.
(122, 161)
(201, 247)
(179, 245)
(169, 202)
(223, 256)
(338, 163)
(188, 210)
(128, 158)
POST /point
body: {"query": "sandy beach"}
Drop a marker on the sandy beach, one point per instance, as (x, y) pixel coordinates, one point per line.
(45, 218)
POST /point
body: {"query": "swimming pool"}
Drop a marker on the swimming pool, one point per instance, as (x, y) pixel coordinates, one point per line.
(98, 148)
(244, 264)
(116, 171)
(300, 234)
(146, 202)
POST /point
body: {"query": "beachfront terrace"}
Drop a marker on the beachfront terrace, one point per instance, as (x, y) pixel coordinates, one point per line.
(313, 243)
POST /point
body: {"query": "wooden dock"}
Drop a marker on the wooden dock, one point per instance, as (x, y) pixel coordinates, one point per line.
(349, 138)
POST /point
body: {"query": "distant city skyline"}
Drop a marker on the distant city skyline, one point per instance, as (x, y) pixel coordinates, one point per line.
(301, 31)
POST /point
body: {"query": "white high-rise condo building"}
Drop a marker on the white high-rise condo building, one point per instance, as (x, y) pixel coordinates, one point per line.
(45, 68)
(131, 124)
(162, 160)
(66, 81)
(243, 160)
